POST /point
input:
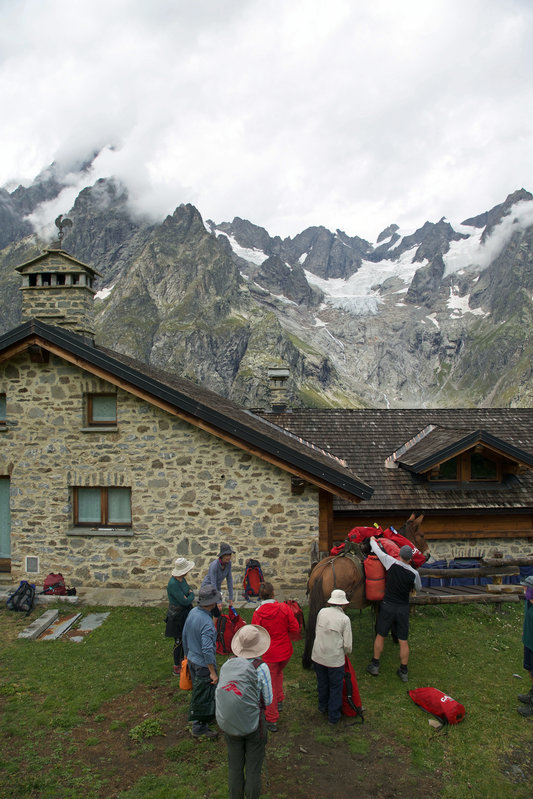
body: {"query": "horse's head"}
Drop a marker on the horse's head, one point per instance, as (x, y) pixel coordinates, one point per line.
(412, 529)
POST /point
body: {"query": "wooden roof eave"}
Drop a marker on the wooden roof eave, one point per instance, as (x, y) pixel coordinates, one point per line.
(321, 481)
(492, 443)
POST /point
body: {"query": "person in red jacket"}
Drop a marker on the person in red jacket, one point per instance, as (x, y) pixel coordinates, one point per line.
(281, 623)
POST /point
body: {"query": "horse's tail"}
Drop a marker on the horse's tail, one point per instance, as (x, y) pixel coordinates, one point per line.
(316, 603)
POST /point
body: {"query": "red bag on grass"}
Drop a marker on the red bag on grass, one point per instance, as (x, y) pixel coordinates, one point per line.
(438, 704)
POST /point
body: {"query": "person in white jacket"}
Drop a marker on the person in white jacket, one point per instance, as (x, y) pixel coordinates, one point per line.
(333, 641)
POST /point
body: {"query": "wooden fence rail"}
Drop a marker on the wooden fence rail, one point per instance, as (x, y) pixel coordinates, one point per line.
(493, 593)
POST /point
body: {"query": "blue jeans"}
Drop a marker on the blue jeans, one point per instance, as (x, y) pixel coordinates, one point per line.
(330, 680)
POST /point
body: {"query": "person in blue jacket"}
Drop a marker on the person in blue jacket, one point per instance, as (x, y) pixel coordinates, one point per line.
(220, 570)
(199, 643)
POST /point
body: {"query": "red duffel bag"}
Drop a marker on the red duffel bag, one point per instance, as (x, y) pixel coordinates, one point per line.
(438, 704)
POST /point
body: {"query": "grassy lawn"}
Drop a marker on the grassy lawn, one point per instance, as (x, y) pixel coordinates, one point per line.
(104, 718)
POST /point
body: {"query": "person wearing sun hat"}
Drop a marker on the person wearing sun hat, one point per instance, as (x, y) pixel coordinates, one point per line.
(220, 570)
(333, 641)
(180, 599)
(527, 639)
(240, 701)
(199, 644)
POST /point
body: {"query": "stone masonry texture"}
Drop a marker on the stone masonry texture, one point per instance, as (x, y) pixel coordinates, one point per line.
(189, 489)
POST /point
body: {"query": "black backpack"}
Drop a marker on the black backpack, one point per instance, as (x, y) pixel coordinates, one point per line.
(23, 598)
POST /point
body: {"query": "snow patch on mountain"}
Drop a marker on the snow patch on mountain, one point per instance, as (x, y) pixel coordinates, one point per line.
(359, 294)
(461, 305)
(103, 293)
(249, 254)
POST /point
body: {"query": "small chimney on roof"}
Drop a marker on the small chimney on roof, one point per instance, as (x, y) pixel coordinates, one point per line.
(278, 377)
(59, 290)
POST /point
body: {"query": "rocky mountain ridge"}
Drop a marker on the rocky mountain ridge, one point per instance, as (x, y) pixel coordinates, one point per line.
(438, 316)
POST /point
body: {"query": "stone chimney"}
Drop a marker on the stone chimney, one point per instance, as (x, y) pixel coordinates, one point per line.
(58, 289)
(278, 377)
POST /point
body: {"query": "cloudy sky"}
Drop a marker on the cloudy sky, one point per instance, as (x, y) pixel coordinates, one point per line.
(348, 113)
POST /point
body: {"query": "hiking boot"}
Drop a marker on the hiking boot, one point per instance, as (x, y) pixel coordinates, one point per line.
(272, 726)
(403, 675)
(527, 710)
(205, 734)
(373, 669)
(527, 699)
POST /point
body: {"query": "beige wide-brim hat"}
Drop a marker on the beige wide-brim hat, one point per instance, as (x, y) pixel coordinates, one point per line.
(338, 597)
(250, 641)
(182, 566)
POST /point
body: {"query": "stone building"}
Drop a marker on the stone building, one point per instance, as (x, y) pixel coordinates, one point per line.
(109, 469)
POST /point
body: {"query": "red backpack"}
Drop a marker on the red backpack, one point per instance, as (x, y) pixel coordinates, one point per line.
(55, 584)
(438, 704)
(227, 625)
(253, 578)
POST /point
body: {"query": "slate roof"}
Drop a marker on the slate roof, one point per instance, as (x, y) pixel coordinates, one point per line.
(201, 406)
(367, 438)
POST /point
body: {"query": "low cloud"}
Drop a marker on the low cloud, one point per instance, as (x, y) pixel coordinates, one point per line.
(350, 115)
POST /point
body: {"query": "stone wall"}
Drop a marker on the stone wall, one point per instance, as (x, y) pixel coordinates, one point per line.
(480, 547)
(189, 489)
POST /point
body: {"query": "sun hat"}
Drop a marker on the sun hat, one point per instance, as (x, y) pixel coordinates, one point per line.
(182, 566)
(406, 553)
(250, 641)
(338, 597)
(225, 549)
(208, 595)
(527, 581)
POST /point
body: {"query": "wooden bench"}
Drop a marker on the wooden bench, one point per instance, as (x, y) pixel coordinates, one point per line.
(495, 593)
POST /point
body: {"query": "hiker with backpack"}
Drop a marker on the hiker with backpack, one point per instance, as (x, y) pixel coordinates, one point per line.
(281, 624)
(333, 641)
(401, 579)
(220, 570)
(243, 691)
(199, 645)
(180, 598)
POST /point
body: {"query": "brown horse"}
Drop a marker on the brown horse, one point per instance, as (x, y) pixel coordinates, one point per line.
(345, 571)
